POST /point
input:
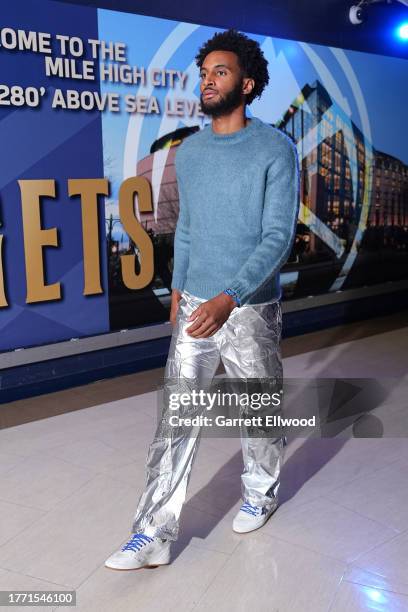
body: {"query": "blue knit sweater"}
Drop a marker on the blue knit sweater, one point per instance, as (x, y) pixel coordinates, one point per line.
(239, 204)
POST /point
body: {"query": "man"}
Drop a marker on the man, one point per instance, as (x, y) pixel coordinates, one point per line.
(238, 181)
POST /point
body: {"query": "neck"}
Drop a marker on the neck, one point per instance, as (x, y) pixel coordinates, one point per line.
(226, 124)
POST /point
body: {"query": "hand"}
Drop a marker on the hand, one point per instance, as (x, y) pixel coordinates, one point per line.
(175, 298)
(210, 316)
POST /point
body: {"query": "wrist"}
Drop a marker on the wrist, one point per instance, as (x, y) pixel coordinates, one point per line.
(228, 300)
(233, 296)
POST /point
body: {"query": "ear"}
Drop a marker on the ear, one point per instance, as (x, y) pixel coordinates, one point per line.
(249, 84)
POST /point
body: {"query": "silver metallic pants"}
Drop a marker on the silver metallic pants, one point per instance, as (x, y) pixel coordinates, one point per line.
(249, 346)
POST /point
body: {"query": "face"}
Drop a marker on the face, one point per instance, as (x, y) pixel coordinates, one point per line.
(222, 85)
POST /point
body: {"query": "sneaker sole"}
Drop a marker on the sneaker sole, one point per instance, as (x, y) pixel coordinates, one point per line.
(133, 569)
(260, 526)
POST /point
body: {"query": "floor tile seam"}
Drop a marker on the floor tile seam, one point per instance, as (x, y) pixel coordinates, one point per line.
(12, 571)
(398, 532)
(374, 547)
(56, 504)
(228, 558)
(95, 472)
(369, 474)
(307, 548)
(337, 589)
(379, 588)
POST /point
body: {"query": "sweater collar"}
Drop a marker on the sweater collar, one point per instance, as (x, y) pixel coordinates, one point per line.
(236, 136)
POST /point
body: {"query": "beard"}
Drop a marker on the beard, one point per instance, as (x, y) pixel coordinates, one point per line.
(223, 105)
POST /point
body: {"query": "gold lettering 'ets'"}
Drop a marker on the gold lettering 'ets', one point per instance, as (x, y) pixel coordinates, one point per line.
(128, 189)
(89, 189)
(3, 299)
(35, 238)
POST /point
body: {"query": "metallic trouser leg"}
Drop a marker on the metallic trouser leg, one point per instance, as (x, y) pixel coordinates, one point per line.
(248, 344)
(250, 348)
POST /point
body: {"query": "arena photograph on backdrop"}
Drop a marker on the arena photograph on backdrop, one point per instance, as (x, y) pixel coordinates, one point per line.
(93, 106)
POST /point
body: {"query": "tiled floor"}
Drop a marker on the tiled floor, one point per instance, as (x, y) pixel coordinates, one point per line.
(70, 481)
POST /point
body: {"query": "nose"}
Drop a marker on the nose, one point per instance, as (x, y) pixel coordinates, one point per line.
(207, 81)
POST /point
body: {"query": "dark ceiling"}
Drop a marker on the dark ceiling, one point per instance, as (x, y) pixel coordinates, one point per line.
(318, 21)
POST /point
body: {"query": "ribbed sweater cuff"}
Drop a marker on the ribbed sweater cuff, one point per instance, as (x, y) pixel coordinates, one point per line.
(178, 282)
(262, 294)
(240, 291)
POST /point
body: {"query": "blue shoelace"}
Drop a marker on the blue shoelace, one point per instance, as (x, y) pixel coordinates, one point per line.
(137, 541)
(254, 510)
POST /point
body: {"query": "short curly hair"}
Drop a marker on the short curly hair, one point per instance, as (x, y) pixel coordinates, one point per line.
(250, 57)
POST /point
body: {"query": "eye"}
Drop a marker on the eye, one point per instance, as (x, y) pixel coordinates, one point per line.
(221, 71)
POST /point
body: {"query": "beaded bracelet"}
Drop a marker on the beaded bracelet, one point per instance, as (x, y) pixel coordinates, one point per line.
(233, 294)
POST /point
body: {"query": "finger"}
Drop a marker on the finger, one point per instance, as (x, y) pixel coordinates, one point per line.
(197, 328)
(194, 326)
(211, 331)
(200, 319)
(196, 313)
(202, 330)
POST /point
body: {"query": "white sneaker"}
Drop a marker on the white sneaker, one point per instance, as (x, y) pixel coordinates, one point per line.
(251, 517)
(140, 551)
